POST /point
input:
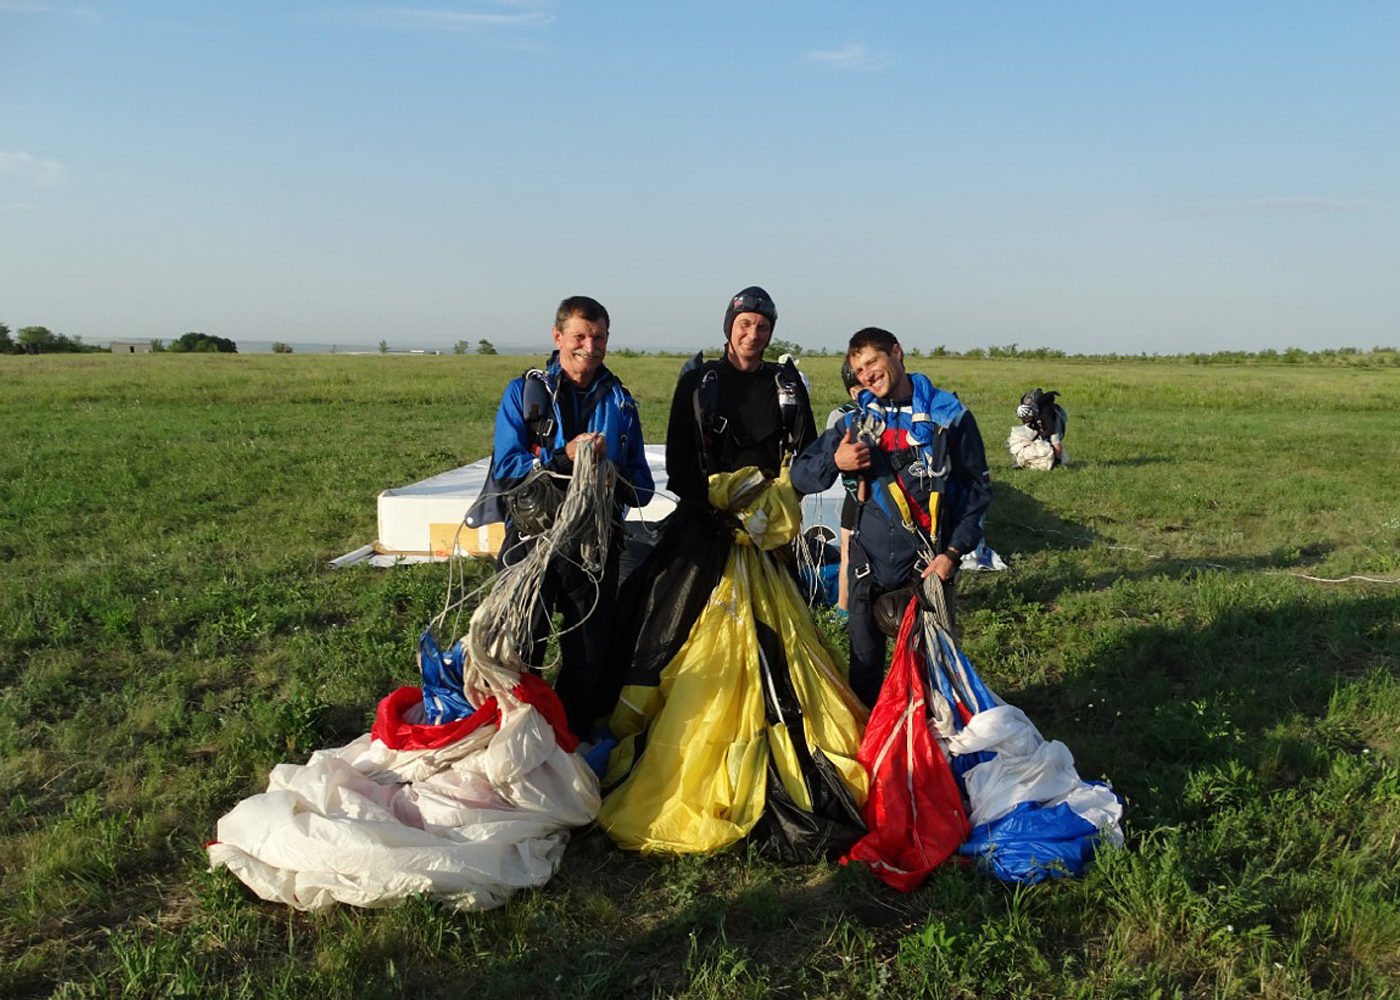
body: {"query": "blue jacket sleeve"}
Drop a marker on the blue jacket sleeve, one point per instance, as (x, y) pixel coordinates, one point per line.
(634, 464)
(514, 460)
(815, 469)
(971, 484)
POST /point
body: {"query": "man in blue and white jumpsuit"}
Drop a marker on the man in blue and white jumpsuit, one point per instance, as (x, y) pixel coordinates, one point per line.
(924, 488)
(544, 418)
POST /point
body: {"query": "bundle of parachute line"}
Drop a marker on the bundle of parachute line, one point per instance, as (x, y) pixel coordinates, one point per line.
(467, 788)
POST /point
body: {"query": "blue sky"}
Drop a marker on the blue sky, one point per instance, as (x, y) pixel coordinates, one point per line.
(1121, 176)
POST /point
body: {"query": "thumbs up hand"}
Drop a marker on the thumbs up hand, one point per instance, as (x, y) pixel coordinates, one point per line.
(852, 455)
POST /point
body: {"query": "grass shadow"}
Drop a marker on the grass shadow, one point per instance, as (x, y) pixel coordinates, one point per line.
(1022, 524)
(1157, 705)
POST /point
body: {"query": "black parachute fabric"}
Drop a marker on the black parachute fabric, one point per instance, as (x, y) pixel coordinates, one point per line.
(660, 600)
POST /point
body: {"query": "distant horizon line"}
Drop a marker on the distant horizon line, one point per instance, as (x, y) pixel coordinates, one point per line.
(1008, 351)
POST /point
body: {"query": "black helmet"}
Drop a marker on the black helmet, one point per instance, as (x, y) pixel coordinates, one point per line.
(752, 299)
(1030, 406)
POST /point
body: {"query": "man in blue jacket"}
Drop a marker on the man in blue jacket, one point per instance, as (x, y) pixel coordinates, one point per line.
(924, 488)
(545, 417)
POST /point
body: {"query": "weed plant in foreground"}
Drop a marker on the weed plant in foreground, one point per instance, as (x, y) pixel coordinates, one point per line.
(169, 631)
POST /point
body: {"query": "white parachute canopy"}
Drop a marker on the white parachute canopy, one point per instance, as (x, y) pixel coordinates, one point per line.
(1029, 450)
(469, 810)
(470, 821)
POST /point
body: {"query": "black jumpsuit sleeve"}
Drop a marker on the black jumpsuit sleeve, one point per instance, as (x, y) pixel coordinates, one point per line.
(806, 430)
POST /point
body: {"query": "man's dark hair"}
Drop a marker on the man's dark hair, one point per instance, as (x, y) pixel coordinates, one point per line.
(872, 336)
(584, 308)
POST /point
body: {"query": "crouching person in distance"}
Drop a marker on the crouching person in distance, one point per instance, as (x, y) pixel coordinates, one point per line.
(923, 489)
(545, 417)
(1039, 442)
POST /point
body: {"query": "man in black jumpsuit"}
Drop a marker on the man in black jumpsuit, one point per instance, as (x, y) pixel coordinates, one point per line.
(727, 414)
(745, 413)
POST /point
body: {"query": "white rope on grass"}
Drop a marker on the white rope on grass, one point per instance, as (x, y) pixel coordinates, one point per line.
(1336, 579)
(456, 585)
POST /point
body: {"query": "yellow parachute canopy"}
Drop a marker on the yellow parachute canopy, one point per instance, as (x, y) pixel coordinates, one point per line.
(701, 782)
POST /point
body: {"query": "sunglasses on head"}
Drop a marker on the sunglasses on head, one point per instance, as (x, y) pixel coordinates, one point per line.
(753, 303)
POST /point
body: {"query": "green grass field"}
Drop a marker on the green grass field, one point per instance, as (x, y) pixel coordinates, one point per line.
(169, 630)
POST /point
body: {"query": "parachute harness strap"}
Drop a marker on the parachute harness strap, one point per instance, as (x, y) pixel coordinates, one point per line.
(870, 428)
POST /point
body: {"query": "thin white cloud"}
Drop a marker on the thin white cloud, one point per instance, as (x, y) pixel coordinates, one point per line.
(1299, 204)
(91, 15)
(1289, 205)
(855, 58)
(39, 172)
(524, 14)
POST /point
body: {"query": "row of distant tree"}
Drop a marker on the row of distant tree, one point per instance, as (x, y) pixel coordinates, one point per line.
(197, 343)
(42, 340)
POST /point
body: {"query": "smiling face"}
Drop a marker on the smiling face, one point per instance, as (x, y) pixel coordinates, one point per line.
(881, 373)
(582, 346)
(748, 339)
